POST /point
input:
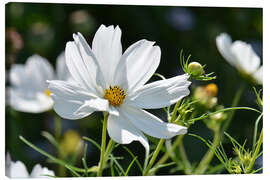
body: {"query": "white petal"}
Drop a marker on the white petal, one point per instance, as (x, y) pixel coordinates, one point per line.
(8, 164)
(123, 132)
(247, 59)
(224, 43)
(82, 65)
(151, 124)
(33, 75)
(17, 74)
(258, 75)
(137, 65)
(73, 102)
(18, 170)
(39, 172)
(160, 93)
(108, 50)
(27, 101)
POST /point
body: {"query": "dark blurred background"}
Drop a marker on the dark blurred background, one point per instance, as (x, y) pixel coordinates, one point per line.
(44, 29)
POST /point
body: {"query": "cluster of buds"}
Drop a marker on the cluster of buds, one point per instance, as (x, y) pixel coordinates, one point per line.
(206, 95)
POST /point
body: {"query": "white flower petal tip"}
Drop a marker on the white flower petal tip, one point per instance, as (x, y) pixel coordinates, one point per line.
(240, 55)
(160, 93)
(39, 172)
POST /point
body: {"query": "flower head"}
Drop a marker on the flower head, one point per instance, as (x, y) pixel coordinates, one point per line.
(240, 55)
(18, 170)
(28, 91)
(112, 81)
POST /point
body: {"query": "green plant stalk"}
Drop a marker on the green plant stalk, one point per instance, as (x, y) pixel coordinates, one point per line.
(203, 165)
(57, 127)
(183, 155)
(108, 150)
(235, 102)
(103, 145)
(255, 154)
(161, 141)
(165, 157)
(174, 111)
(153, 159)
(255, 131)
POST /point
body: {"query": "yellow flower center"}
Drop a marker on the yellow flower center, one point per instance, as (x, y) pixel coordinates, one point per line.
(115, 95)
(47, 92)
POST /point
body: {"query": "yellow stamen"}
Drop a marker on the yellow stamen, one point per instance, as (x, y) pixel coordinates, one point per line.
(115, 95)
(47, 92)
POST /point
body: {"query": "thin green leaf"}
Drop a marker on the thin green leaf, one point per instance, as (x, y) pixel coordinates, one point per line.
(53, 159)
(72, 171)
(133, 156)
(92, 141)
(132, 162)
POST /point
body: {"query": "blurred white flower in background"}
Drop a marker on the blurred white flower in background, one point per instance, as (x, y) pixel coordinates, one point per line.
(28, 91)
(240, 55)
(18, 170)
(114, 82)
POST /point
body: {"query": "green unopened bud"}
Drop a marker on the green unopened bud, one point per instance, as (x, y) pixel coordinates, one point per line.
(195, 69)
(237, 169)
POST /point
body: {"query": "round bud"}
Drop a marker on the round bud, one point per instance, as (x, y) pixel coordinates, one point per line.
(195, 69)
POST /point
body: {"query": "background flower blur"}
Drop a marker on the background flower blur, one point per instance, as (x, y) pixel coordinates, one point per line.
(44, 29)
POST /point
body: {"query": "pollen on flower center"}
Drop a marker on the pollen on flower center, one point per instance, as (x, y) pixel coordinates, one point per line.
(115, 95)
(47, 92)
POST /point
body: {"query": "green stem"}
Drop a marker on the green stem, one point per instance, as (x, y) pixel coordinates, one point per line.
(255, 154)
(174, 111)
(209, 155)
(57, 127)
(235, 102)
(153, 159)
(103, 145)
(183, 155)
(255, 131)
(108, 150)
(164, 158)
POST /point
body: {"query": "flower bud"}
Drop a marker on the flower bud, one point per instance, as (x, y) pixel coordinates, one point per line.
(237, 169)
(71, 142)
(212, 89)
(195, 69)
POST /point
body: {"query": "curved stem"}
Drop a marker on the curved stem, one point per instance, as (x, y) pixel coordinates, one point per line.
(255, 131)
(103, 145)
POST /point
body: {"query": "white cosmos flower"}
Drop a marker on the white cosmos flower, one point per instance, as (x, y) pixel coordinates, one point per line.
(110, 81)
(28, 91)
(18, 170)
(240, 55)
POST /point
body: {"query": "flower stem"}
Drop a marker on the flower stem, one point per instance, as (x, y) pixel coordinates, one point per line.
(183, 155)
(174, 111)
(254, 157)
(153, 159)
(57, 127)
(235, 102)
(209, 155)
(103, 144)
(165, 157)
(255, 131)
